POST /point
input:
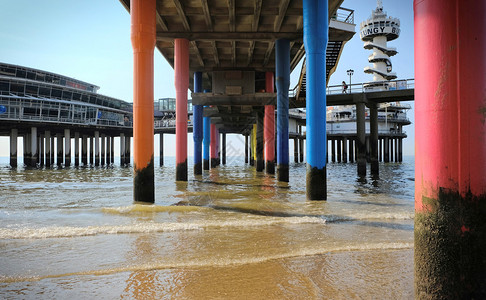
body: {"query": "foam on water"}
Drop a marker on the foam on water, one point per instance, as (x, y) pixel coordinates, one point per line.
(218, 261)
(67, 231)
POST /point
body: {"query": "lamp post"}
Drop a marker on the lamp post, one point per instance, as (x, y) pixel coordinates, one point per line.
(350, 73)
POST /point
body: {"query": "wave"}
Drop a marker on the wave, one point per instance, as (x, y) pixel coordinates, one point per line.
(217, 262)
(68, 231)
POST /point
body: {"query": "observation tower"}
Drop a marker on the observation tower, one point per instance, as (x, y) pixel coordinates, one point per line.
(376, 32)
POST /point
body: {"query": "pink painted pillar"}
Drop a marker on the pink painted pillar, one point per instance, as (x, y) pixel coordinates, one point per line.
(450, 149)
(269, 127)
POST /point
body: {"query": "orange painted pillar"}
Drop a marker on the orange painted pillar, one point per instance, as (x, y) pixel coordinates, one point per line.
(181, 69)
(143, 32)
(269, 125)
(450, 149)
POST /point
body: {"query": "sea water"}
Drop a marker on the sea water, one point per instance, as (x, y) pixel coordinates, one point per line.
(231, 233)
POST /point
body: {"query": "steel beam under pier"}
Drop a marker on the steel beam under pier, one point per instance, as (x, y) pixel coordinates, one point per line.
(450, 149)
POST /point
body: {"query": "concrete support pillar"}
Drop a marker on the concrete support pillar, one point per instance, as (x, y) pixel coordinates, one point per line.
(122, 149)
(246, 148)
(269, 125)
(400, 150)
(103, 149)
(60, 149)
(224, 148)
(392, 152)
(396, 149)
(213, 148)
(48, 148)
(181, 69)
(97, 148)
(34, 147)
(14, 133)
(361, 138)
(143, 30)
(91, 151)
(333, 150)
(84, 149)
(282, 57)
(296, 150)
(161, 149)
(128, 152)
(301, 145)
(374, 139)
(345, 149)
(42, 152)
(76, 149)
(112, 155)
(351, 150)
(198, 131)
(27, 151)
(450, 149)
(339, 153)
(67, 147)
(386, 147)
(368, 155)
(380, 150)
(108, 150)
(316, 27)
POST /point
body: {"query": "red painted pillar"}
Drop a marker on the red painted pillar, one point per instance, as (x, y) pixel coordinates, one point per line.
(450, 149)
(143, 42)
(181, 69)
(269, 127)
(213, 146)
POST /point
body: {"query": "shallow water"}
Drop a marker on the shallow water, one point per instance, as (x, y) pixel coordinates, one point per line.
(234, 233)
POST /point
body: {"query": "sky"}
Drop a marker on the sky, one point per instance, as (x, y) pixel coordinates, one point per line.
(90, 40)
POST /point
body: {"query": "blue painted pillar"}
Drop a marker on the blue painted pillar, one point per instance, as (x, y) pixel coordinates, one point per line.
(282, 57)
(315, 41)
(206, 140)
(197, 131)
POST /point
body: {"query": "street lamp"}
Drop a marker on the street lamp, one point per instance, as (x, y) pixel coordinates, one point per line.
(350, 73)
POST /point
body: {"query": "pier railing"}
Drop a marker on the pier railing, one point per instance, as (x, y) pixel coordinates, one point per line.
(366, 87)
(345, 15)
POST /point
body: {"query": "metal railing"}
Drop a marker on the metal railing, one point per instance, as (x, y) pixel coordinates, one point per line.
(31, 109)
(366, 87)
(345, 15)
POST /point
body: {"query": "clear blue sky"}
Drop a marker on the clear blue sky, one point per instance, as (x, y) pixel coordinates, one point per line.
(90, 40)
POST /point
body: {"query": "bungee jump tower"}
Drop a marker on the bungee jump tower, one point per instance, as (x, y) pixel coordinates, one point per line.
(376, 32)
